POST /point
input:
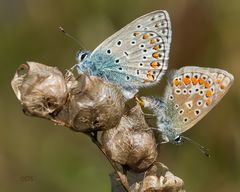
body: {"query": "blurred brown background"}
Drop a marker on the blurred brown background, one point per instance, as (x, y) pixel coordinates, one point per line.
(52, 158)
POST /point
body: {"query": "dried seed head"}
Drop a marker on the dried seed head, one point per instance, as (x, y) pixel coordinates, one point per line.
(132, 142)
(92, 104)
(159, 178)
(40, 88)
(156, 178)
(82, 103)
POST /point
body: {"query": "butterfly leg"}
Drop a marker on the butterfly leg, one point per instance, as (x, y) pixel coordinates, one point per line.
(73, 67)
(151, 128)
(149, 115)
(165, 139)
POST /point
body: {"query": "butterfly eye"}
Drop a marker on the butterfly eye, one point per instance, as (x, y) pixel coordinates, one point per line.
(81, 55)
(178, 140)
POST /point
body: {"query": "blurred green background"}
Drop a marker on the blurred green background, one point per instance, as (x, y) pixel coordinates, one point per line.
(205, 33)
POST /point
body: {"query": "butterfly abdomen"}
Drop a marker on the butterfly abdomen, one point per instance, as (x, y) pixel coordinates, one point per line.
(153, 103)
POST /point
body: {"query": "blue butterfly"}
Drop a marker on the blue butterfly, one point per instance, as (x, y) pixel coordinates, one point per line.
(190, 94)
(136, 56)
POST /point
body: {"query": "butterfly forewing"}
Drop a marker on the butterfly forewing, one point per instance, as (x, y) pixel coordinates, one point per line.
(140, 51)
(193, 92)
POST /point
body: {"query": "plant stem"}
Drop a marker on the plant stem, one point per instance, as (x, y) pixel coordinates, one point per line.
(93, 135)
(116, 167)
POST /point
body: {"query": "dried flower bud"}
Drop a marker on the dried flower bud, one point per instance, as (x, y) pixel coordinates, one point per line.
(40, 88)
(82, 103)
(159, 178)
(93, 104)
(132, 142)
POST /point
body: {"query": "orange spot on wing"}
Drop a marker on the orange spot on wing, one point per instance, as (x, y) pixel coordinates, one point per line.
(208, 102)
(201, 81)
(208, 93)
(153, 41)
(207, 85)
(150, 76)
(136, 34)
(146, 36)
(154, 64)
(218, 81)
(222, 86)
(176, 82)
(186, 80)
(155, 55)
(156, 47)
(194, 80)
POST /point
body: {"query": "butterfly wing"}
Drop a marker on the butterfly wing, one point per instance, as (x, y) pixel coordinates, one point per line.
(137, 55)
(192, 92)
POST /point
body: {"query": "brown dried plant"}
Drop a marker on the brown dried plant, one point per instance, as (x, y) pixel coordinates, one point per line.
(88, 104)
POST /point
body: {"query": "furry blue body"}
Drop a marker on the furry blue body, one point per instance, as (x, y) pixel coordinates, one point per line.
(164, 113)
(104, 66)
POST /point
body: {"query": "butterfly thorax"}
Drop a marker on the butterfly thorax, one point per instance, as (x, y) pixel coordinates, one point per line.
(85, 65)
(102, 65)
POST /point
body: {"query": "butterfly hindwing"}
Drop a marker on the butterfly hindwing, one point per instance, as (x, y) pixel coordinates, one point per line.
(137, 55)
(192, 92)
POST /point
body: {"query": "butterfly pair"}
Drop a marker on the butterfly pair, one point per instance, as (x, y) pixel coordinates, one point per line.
(137, 56)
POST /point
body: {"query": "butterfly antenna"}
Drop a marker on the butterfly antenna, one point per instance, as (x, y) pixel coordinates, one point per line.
(204, 150)
(71, 37)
